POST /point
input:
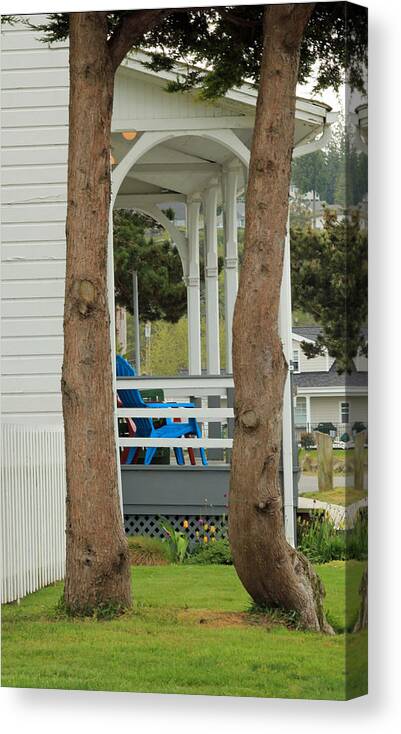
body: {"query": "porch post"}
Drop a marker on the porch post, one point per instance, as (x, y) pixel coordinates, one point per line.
(211, 280)
(193, 286)
(308, 414)
(285, 321)
(111, 304)
(231, 257)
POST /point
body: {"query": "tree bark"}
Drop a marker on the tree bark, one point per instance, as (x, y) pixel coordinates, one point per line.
(359, 460)
(362, 621)
(324, 445)
(97, 560)
(273, 573)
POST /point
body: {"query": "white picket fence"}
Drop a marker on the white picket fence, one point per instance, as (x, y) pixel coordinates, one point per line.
(32, 508)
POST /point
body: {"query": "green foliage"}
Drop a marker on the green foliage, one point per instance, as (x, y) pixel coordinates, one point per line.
(307, 440)
(162, 293)
(146, 551)
(339, 174)
(321, 542)
(329, 273)
(177, 542)
(168, 354)
(228, 42)
(101, 612)
(309, 173)
(274, 615)
(218, 551)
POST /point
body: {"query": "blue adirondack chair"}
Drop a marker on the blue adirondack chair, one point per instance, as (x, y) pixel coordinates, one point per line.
(132, 398)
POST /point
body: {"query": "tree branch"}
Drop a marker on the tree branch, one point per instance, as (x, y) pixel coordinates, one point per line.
(237, 21)
(131, 30)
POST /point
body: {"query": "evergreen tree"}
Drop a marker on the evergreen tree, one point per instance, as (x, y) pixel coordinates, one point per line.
(162, 292)
(329, 274)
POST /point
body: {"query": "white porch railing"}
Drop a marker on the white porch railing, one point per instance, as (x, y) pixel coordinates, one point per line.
(200, 390)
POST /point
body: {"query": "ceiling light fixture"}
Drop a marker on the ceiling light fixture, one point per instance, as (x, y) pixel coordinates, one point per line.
(129, 134)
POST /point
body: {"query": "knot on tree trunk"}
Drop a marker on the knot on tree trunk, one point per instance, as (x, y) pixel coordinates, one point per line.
(85, 293)
(249, 420)
(264, 166)
(269, 504)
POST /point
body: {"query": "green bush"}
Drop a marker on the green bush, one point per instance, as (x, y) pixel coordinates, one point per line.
(218, 551)
(307, 440)
(321, 542)
(146, 551)
(177, 541)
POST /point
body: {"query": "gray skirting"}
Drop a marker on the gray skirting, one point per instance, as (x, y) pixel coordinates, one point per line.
(175, 490)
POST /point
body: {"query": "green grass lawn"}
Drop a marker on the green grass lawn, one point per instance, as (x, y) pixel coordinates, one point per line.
(189, 632)
(338, 496)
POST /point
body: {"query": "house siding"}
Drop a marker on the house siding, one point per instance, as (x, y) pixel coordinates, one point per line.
(139, 98)
(316, 364)
(34, 99)
(327, 409)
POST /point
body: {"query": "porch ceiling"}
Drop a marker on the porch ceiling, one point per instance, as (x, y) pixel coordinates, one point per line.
(185, 164)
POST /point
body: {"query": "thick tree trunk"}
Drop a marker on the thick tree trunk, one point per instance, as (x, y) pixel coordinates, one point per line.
(272, 572)
(362, 621)
(97, 563)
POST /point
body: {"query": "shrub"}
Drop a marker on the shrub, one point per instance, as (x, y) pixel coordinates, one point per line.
(217, 551)
(357, 537)
(177, 541)
(321, 542)
(145, 551)
(307, 440)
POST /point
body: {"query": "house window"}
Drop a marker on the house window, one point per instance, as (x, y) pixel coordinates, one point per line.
(300, 413)
(344, 412)
(295, 360)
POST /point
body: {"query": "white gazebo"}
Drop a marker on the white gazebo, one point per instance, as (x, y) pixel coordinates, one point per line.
(170, 148)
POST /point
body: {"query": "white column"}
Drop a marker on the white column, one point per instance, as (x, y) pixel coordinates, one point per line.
(111, 301)
(308, 413)
(121, 328)
(193, 287)
(212, 280)
(285, 324)
(231, 257)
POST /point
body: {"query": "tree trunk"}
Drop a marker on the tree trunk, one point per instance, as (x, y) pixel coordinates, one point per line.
(272, 572)
(324, 445)
(359, 460)
(97, 563)
(362, 621)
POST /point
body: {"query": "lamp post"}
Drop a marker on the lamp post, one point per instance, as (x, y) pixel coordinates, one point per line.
(135, 313)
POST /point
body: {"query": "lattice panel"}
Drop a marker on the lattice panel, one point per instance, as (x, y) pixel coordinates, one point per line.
(198, 525)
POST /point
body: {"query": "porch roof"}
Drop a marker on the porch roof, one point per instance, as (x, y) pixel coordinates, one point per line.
(186, 161)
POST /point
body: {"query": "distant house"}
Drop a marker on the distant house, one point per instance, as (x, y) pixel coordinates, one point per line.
(324, 396)
(314, 209)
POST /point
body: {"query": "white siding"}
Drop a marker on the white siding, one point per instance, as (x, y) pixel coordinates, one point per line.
(361, 363)
(327, 409)
(140, 97)
(316, 364)
(34, 102)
